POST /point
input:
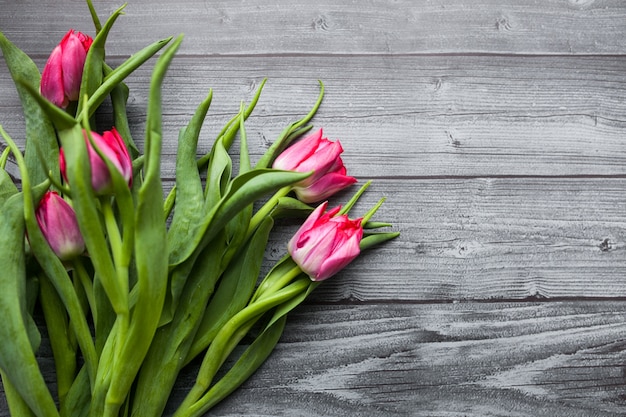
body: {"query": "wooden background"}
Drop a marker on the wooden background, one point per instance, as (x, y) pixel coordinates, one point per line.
(495, 128)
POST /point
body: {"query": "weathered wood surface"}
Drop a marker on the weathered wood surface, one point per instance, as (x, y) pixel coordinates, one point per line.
(496, 129)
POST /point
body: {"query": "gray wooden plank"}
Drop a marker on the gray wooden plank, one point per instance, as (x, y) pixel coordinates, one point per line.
(405, 116)
(330, 27)
(480, 239)
(469, 359)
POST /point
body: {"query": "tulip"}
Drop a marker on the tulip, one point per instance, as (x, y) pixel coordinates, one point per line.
(112, 146)
(58, 223)
(325, 243)
(322, 156)
(63, 72)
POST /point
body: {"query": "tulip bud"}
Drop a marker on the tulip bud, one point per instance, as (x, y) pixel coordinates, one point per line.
(58, 223)
(112, 146)
(63, 72)
(325, 243)
(318, 154)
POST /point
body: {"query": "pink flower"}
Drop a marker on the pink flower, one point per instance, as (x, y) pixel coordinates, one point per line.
(325, 243)
(57, 221)
(63, 72)
(316, 153)
(112, 146)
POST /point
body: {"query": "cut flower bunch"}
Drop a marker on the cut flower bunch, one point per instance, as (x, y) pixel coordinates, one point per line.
(132, 283)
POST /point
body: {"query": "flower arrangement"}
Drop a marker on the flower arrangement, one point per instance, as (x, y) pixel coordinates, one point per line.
(134, 283)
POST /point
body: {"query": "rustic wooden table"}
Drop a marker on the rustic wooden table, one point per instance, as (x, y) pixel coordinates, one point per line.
(497, 131)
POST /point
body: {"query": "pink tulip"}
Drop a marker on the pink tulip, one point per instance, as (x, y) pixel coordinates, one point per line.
(112, 146)
(316, 153)
(325, 243)
(57, 221)
(63, 72)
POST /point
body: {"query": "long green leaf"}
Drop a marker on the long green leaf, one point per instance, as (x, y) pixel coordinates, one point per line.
(289, 133)
(245, 189)
(150, 250)
(17, 359)
(94, 62)
(235, 289)
(120, 73)
(189, 194)
(42, 150)
(172, 341)
(50, 263)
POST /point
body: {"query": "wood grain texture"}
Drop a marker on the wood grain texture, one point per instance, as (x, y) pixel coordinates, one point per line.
(496, 131)
(412, 117)
(332, 27)
(463, 359)
(490, 239)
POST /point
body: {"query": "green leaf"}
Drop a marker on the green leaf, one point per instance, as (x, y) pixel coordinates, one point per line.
(245, 189)
(41, 141)
(60, 119)
(17, 359)
(291, 207)
(374, 239)
(172, 341)
(234, 290)
(218, 174)
(189, 203)
(120, 73)
(94, 62)
(94, 16)
(119, 98)
(60, 337)
(78, 398)
(150, 249)
(17, 406)
(49, 262)
(289, 133)
(7, 187)
(230, 129)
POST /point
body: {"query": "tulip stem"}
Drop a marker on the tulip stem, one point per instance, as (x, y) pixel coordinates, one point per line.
(121, 268)
(85, 282)
(265, 210)
(269, 287)
(117, 248)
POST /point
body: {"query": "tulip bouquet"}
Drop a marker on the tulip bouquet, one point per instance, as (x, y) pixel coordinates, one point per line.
(132, 283)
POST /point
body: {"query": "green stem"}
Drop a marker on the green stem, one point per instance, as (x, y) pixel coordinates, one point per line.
(224, 343)
(62, 341)
(272, 286)
(113, 232)
(265, 210)
(85, 282)
(120, 258)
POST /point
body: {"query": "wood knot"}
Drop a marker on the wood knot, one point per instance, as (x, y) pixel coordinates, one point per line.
(321, 23)
(503, 24)
(606, 245)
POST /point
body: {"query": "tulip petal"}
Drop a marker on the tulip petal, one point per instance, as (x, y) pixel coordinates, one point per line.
(342, 256)
(293, 156)
(51, 86)
(321, 161)
(308, 224)
(323, 188)
(72, 62)
(58, 223)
